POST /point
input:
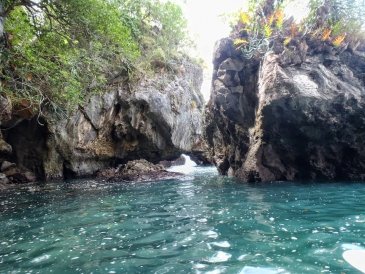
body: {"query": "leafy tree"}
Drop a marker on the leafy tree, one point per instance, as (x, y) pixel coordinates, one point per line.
(54, 53)
(158, 26)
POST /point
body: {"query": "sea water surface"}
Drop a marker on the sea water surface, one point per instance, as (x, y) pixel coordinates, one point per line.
(201, 224)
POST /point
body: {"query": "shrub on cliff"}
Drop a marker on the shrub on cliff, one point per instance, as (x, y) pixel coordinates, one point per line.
(340, 22)
(336, 23)
(53, 54)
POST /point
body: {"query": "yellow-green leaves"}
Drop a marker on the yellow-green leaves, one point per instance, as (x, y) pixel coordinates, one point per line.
(339, 40)
(240, 42)
(287, 41)
(267, 31)
(279, 17)
(245, 18)
(326, 34)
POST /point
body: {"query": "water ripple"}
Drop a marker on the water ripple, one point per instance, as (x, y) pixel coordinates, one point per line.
(207, 224)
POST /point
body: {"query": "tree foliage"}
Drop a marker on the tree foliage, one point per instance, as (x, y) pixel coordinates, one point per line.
(55, 53)
(159, 27)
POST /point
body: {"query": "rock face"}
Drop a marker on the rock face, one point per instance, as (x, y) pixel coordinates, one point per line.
(289, 116)
(155, 119)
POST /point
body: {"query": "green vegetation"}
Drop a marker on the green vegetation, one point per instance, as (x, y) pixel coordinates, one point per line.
(338, 23)
(257, 27)
(160, 30)
(54, 54)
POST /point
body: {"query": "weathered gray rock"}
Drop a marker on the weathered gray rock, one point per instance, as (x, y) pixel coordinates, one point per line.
(295, 119)
(156, 119)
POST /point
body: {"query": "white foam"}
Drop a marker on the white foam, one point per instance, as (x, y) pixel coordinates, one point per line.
(211, 234)
(262, 270)
(220, 257)
(200, 266)
(187, 168)
(352, 247)
(41, 259)
(223, 244)
(243, 257)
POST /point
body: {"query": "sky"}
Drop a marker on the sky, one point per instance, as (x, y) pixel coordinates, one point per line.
(206, 25)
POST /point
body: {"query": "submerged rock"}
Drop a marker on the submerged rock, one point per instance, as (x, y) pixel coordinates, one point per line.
(284, 119)
(137, 171)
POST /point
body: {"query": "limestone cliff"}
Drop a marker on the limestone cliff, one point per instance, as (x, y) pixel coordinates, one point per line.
(154, 119)
(292, 115)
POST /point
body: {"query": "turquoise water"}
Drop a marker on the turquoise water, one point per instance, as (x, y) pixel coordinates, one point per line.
(203, 224)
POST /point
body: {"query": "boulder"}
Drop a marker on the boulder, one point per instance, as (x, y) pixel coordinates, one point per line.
(137, 171)
(292, 119)
(17, 175)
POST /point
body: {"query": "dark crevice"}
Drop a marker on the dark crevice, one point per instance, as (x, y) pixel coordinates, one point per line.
(29, 142)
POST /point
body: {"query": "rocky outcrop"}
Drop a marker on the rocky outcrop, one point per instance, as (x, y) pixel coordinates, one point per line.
(292, 115)
(154, 119)
(137, 171)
